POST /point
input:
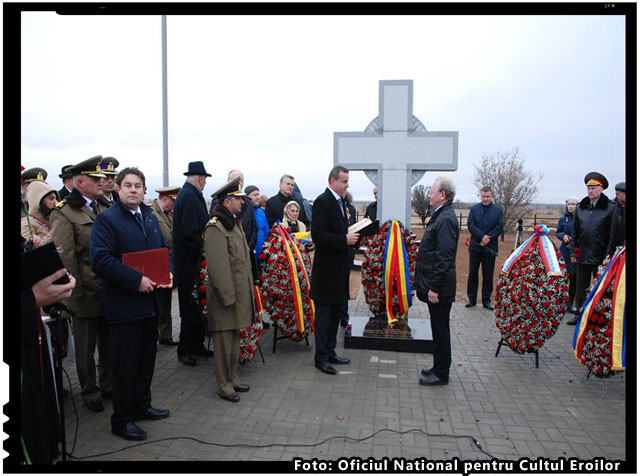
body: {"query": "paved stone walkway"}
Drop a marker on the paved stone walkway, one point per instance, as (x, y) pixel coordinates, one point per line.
(511, 407)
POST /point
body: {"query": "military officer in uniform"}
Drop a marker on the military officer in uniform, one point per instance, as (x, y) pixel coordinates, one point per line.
(67, 182)
(162, 208)
(71, 223)
(109, 166)
(229, 290)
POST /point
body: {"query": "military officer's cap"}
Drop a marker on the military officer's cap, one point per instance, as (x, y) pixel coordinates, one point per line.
(91, 167)
(65, 174)
(595, 178)
(171, 192)
(35, 174)
(230, 189)
(109, 166)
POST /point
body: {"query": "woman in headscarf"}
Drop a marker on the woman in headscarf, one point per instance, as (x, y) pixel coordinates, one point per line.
(42, 198)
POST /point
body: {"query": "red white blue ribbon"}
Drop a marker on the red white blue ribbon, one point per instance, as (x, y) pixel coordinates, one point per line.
(545, 247)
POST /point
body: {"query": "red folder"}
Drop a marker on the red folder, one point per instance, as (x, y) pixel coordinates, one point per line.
(154, 264)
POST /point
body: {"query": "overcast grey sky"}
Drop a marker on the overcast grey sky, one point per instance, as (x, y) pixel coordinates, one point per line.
(265, 94)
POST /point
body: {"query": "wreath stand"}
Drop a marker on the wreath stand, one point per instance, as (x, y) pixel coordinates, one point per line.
(501, 343)
(276, 338)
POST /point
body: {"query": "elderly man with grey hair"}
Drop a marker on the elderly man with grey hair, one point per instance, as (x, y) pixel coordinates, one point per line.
(435, 278)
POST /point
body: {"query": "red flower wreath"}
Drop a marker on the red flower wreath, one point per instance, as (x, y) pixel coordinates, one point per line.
(596, 353)
(276, 285)
(249, 337)
(529, 303)
(373, 274)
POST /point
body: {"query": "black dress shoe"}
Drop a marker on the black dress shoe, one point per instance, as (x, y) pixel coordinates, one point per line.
(95, 405)
(326, 368)
(470, 304)
(487, 305)
(344, 323)
(234, 397)
(336, 359)
(129, 431)
(426, 372)
(433, 379)
(574, 321)
(187, 359)
(266, 325)
(106, 394)
(153, 414)
(241, 388)
(169, 342)
(204, 352)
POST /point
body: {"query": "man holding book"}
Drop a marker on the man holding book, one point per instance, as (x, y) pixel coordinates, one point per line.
(131, 303)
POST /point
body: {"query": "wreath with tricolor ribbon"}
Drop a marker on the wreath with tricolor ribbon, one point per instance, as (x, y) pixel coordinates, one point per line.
(387, 271)
(599, 340)
(285, 283)
(532, 293)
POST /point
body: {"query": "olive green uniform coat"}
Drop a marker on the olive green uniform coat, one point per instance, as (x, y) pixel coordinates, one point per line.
(165, 219)
(71, 222)
(229, 297)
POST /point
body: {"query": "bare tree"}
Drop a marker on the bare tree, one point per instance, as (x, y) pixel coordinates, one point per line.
(420, 202)
(514, 188)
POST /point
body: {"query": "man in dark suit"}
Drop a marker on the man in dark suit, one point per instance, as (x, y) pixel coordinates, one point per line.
(67, 182)
(330, 274)
(274, 207)
(435, 279)
(189, 219)
(371, 211)
(486, 224)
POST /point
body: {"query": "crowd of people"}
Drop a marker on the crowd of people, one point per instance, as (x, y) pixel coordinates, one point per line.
(100, 213)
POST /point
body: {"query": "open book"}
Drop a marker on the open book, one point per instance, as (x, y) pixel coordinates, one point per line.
(365, 227)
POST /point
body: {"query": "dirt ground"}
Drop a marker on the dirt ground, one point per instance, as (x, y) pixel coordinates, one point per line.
(462, 263)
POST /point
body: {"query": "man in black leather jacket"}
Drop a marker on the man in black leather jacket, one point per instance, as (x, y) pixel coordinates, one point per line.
(435, 278)
(591, 227)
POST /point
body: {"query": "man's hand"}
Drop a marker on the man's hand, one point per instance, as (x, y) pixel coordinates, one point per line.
(352, 238)
(170, 285)
(433, 297)
(485, 240)
(573, 259)
(146, 285)
(566, 238)
(46, 293)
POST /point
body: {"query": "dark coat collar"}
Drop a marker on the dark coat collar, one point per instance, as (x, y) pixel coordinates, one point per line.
(75, 199)
(602, 203)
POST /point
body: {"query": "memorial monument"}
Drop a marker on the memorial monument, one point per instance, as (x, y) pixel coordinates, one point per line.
(394, 151)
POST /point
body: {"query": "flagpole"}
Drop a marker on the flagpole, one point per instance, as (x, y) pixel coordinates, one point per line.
(165, 127)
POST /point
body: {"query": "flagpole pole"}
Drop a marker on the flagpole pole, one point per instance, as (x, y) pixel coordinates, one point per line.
(165, 127)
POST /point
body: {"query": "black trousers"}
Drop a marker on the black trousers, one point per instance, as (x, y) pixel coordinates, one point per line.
(192, 326)
(326, 326)
(134, 347)
(584, 274)
(439, 315)
(488, 262)
(165, 328)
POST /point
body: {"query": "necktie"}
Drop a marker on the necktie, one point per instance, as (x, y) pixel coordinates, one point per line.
(139, 218)
(341, 202)
(94, 207)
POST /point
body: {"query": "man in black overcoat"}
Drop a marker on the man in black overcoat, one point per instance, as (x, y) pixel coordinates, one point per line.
(435, 278)
(189, 219)
(330, 273)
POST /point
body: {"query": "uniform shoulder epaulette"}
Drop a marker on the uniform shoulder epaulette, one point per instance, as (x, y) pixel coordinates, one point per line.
(213, 221)
(61, 203)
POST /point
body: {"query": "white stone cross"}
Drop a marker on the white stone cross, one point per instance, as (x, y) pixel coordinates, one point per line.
(396, 150)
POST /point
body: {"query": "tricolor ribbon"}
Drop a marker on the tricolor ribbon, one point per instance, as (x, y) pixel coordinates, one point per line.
(617, 269)
(545, 247)
(258, 301)
(291, 252)
(396, 272)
